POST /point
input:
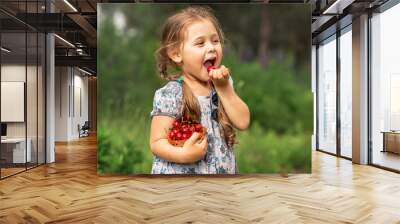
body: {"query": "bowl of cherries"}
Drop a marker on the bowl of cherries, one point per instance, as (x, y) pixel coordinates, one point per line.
(182, 130)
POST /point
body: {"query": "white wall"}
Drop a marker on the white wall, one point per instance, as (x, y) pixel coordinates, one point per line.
(71, 93)
(61, 103)
(12, 73)
(80, 104)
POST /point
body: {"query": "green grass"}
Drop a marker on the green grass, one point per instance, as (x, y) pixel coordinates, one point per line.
(123, 147)
(123, 144)
(262, 151)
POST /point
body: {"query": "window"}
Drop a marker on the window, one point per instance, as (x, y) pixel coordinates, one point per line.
(327, 95)
(22, 64)
(385, 88)
(346, 92)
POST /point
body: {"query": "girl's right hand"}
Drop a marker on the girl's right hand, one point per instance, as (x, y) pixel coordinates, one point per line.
(194, 150)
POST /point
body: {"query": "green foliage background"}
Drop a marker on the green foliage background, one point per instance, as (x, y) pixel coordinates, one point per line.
(277, 91)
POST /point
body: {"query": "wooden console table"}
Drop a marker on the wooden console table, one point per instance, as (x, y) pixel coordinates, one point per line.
(391, 141)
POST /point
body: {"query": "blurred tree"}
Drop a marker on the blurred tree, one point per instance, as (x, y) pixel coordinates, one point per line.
(265, 30)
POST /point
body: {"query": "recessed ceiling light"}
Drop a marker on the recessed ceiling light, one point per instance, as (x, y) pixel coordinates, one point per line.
(337, 7)
(5, 49)
(70, 5)
(64, 40)
(84, 71)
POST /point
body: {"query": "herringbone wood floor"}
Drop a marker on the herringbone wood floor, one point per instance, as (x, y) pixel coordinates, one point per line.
(69, 191)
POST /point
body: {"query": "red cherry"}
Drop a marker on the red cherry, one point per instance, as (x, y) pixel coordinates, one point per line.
(189, 133)
(176, 124)
(185, 129)
(199, 127)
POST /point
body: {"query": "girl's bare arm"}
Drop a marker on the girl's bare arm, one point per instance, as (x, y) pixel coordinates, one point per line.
(236, 110)
(159, 142)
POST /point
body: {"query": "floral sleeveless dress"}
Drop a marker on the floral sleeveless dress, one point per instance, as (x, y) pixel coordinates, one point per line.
(219, 159)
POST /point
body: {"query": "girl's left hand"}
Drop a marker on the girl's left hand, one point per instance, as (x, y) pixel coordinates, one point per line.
(219, 76)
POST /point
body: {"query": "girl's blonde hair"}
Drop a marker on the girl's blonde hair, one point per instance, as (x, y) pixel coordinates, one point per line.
(172, 37)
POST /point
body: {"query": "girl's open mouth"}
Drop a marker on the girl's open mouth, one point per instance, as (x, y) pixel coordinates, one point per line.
(210, 62)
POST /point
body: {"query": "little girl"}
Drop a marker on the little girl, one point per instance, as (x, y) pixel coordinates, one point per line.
(192, 42)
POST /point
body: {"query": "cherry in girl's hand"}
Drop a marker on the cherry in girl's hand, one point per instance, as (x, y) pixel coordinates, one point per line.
(219, 76)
